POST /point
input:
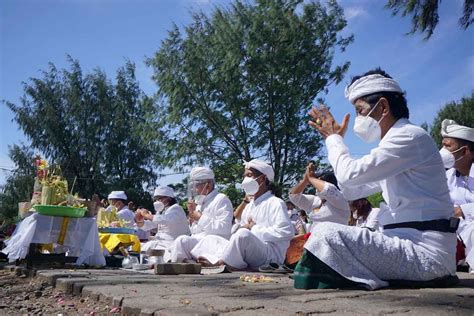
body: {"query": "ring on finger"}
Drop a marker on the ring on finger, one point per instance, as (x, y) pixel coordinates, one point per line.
(318, 122)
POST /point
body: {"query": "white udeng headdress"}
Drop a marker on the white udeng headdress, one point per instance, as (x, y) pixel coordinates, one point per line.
(261, 166)
(370, 84)
(450, 128)
(164, 191)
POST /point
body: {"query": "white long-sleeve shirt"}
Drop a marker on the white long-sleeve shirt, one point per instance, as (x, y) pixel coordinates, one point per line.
(335, 209)
(461, 190)
(216, 218)
(171, 223)
(407, 167)
(272, 224)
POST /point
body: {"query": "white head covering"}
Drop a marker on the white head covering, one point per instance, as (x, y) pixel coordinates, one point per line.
(117, 195)
(370, 84)
(164, 191)
(450, 128)
(201, 173)
(261, 166)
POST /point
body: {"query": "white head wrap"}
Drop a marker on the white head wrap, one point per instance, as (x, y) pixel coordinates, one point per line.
(164, 191)
(117, 195)
(201, 173)
(450, 128)
(370, 84)
(261, 166)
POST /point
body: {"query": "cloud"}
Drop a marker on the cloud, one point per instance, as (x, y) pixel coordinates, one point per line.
(354, 12)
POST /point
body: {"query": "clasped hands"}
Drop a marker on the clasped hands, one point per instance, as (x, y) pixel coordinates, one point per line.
(249, 225)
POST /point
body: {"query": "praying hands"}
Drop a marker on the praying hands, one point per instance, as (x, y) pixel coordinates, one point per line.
(324, 122)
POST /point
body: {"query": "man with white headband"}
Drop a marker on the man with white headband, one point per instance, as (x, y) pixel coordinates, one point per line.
(263, 232)
(118, 200)
(458, 156)
(169, 220)
(210, 213)
(418, 238)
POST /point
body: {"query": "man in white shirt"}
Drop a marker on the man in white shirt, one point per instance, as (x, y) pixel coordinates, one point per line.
(210, 213)
(458, 156)
(118, 200)
(263, 233)
(170, 220)
(418, 241)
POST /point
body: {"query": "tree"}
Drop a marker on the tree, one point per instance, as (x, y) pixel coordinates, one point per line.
(425, 14)
(462, 112)
(19, 184)
(99, 132)
(238, 84)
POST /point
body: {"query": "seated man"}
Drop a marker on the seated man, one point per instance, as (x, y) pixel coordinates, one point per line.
(210, 213)
(418, 241)
(458, 155)
(118, 200)
(170, 220)
(263, 232)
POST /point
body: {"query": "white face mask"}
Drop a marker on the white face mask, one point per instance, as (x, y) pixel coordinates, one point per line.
(199, 199)
(448, 157)
(158, 206)
(367, 128)
(250, 185)
(354, 215)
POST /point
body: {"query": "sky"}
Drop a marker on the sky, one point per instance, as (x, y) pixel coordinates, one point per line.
(106, 33)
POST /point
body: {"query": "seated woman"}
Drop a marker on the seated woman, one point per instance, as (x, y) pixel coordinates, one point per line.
(328, 205)
(118, 201)
(170, 220)
(363, 215)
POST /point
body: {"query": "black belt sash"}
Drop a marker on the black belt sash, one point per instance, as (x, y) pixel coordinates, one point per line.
(440, 225)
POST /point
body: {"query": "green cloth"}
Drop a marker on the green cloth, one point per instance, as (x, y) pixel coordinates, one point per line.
(312, 273)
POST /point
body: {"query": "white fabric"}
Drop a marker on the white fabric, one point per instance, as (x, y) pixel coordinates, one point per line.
(450, 128)
(201, 173)
(335, 209)
(371, 258)
(82, 238)
(407, 167)
(261, 166)
(462, 194)
(216, 219)
(266, 242)
(170, 224)
(164, 191)
(117, 195)
(370, 84)
(127, 215)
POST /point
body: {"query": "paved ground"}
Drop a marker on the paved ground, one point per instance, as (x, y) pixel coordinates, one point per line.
(146, 294)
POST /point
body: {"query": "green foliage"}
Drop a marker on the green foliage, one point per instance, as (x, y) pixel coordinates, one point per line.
(376, 199)
(462, 112)
(101, 132)
(238, 84)
(425, 15)
(19, 184)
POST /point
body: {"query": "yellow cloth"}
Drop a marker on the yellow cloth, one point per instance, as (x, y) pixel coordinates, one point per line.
(113, 241)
